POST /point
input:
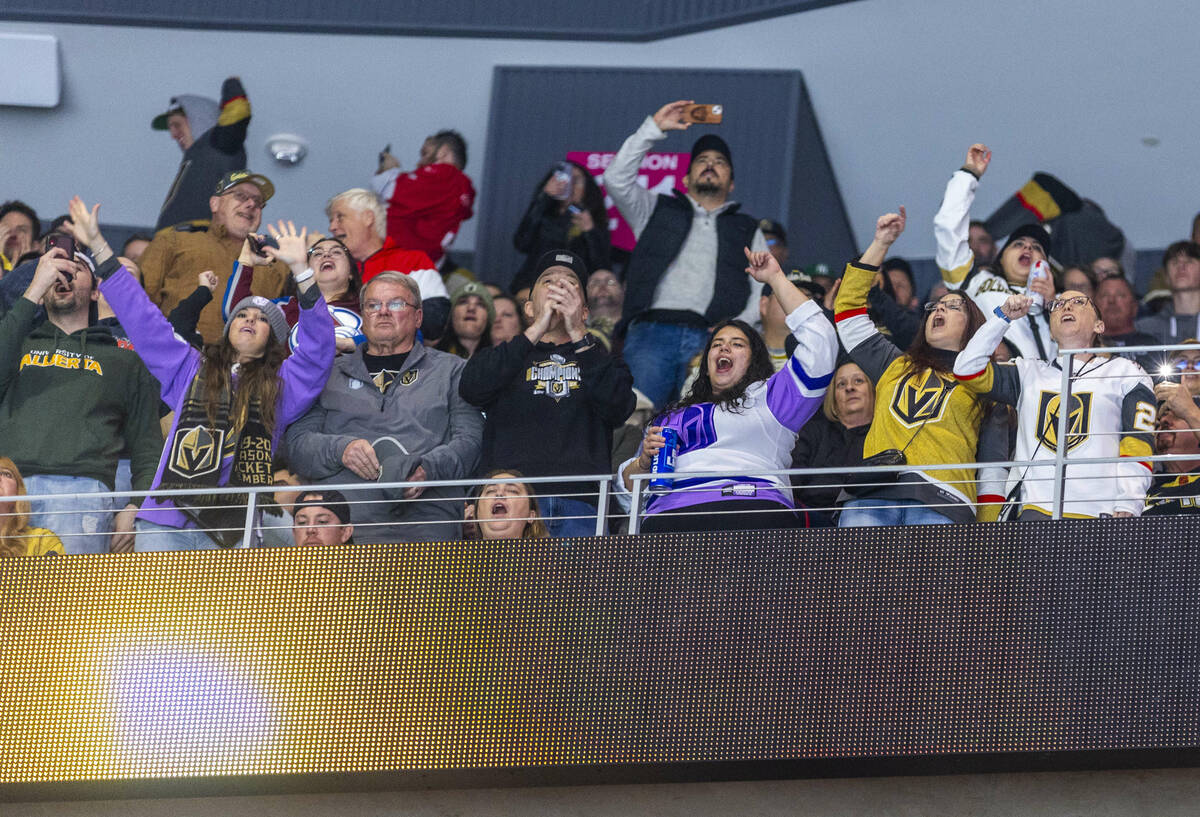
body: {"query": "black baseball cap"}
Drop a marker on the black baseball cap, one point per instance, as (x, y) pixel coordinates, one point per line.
(773, 228)
(561, 258)
(333, 501)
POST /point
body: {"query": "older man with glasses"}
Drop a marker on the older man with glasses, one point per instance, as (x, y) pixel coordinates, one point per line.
(175, 258)
(391, 412)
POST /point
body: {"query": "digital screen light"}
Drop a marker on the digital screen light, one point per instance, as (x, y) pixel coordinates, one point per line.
(783, 646)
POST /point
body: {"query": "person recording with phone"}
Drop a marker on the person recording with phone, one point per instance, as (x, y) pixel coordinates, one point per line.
(566, 213)
(687, 269)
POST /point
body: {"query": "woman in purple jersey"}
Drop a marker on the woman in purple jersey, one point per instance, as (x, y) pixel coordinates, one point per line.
(741, 416)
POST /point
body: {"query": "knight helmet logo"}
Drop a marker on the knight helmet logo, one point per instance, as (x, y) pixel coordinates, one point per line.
(196, 452)
(1079, 420)
(921, 397)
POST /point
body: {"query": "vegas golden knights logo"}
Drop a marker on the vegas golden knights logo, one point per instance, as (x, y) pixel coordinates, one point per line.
(920, 397)
(196, 451)
(1078, 422)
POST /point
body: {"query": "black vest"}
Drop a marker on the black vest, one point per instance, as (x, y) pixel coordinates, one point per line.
(662, 240)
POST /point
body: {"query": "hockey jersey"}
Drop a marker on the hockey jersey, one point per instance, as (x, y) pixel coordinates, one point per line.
(951, 226)
(1111, 413)
(758, 435)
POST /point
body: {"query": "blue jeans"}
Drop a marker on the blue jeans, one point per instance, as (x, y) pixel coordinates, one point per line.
(660, 356)
(873, 513)
(84, 526)
(153, 536)
(553, 510)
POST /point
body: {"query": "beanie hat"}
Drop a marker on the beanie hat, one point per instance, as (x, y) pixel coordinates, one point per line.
(475, 288)
(710, 141)
(279, 324)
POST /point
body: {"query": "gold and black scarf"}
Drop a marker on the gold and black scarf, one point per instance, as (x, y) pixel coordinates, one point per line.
(199, 447)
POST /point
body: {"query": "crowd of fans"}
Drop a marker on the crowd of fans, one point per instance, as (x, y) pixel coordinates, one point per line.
(217, 357)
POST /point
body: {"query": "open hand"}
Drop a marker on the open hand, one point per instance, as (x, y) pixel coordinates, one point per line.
(293, 246)
(85, 223)
(978, 159)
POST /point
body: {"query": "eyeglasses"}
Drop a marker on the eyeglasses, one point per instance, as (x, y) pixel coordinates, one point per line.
(1078, 300)
(242, 198)
(396, 305)
(1183, 364)
(958, 305)
(334, 251)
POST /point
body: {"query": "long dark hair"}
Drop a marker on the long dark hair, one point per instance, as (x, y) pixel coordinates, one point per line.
(921, 355)
(733, 398)
(257, 378)
(593, 197)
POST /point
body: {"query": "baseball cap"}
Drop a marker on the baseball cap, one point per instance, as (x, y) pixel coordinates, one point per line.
(803, 282)
(333, 501)
(773, 228)
(561, 258)
(234, 178)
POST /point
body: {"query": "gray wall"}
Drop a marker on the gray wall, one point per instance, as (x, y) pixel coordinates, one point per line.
(900, 90)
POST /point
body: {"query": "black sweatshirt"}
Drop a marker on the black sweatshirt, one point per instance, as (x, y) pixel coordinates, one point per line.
(551, 410)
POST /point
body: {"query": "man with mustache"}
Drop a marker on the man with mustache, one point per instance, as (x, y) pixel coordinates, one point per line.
(687, 271)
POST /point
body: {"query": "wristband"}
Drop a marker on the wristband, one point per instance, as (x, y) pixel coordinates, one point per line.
(304, 276)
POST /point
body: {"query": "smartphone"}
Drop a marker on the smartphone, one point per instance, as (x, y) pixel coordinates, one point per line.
(258, 242)
(63, 241)
(704, 114)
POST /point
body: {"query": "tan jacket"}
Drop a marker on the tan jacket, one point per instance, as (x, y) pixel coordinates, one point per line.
(176, 257)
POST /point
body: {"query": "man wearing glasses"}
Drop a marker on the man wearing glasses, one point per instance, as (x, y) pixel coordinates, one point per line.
(177, 255)
(1111, 412)
(391, 412)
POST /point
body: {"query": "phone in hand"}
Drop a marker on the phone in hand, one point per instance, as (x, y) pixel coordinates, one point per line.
(63, 241)
(704, 114)
(259, 242)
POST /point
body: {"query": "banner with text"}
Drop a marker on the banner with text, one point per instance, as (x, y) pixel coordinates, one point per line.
(659, 173)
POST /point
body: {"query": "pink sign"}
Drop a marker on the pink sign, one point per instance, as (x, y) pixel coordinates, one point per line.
(660, 173)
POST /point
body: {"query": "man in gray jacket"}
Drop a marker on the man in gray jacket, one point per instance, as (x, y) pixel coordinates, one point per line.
(391, 412)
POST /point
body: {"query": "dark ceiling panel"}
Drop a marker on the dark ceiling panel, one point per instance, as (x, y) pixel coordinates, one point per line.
(619, 20)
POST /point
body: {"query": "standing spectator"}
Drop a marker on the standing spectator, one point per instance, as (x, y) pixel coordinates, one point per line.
(337, 278)
(19, 229)
(566, 214)
(981, 243)
(322, 518)
(1111, 412)
(605, 299)
(1179, 318)
(71, 402)
(776, 238)
(990, 286)
(17, 536)
(740, 416)
(509, 322)
(686, 272)
(552, 396)
(356, 219)
(919, 411)
(426, 207)
(232, 402)
(1118, 307)
(213, 143)
(1176, 490)
(178, 254)
(391, 412)
(471, 317)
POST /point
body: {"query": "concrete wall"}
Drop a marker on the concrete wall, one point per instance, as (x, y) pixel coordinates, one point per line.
(900, 89)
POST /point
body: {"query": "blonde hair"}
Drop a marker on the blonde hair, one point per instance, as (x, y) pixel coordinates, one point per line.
(14, 526)
(359, 199)
(829, 404)
(535, 528)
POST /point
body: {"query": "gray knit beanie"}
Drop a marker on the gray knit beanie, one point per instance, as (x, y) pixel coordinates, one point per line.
(279, 324)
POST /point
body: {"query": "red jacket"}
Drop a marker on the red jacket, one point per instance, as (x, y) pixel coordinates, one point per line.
(427, 207)
(413, 262)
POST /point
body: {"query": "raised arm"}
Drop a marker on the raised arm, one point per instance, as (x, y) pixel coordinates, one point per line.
(973, 368)
(951, 225)
(869, 349)
(1137, 441)
(635, 202)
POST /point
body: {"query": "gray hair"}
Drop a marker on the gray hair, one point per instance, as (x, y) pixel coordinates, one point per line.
(359, 198)
(391, 277)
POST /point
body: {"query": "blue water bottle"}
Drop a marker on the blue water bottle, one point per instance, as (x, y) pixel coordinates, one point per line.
(664, 462)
